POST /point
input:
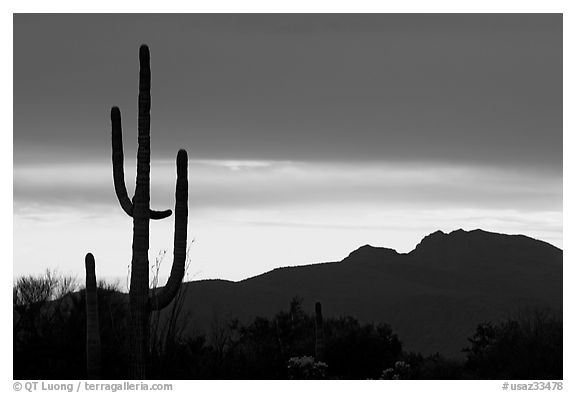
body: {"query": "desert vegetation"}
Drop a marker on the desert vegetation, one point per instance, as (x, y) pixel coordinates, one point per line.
(141, 302)
(50, 343)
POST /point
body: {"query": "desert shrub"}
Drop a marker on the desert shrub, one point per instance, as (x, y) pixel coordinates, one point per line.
(50, 328)
(401, 370)
(353, 350)
(306, 367)
(528, 346)
(373, 348)
(262, 348)
(183, 358)
(432, 367)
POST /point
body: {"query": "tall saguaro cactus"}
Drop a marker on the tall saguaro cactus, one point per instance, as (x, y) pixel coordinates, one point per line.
(141, 303)
(319, 325)
(93, 354)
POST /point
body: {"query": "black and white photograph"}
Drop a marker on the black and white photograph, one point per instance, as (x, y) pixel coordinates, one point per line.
(288, 196)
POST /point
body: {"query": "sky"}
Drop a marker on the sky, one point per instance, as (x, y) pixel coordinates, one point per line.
(308, 135)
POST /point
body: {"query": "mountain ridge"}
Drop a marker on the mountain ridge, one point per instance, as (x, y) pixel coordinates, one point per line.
(387, 251)
(433, 296)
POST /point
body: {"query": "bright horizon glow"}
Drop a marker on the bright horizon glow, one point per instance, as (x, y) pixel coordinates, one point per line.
(249, 217)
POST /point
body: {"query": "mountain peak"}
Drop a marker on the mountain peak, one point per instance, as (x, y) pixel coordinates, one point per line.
(440, 236)
(478, 244)
(368, 252)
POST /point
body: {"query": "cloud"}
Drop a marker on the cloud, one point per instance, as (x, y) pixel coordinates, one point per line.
(358, 87)
(256, 207)
(234, 184)
(236, 165)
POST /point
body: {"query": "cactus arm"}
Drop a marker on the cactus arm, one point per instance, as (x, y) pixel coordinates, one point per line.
(118, 161)
(158, 215)
(118, 169)
(167, 294)
(93, 352)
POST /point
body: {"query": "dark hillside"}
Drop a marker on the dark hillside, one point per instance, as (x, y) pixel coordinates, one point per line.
(433, 297)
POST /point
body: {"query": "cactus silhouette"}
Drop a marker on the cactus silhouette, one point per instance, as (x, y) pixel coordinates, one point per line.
(141, 303)
(319, 327)
(93, 353)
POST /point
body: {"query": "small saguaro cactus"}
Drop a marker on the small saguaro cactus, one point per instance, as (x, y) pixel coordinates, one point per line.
(141, 303)
(93, 354)
(319, 327)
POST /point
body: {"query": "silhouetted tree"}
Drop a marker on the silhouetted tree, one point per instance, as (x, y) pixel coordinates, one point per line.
(355, 351)
(526, 347)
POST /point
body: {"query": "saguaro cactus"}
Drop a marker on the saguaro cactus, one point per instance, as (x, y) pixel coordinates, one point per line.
(141, 303)
(93, 353)
(319, 325)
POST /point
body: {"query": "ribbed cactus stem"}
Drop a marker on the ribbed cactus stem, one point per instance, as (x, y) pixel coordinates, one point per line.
(139, 209)
(319, 327)
(118, 148)
(165, 296)
(93, 354)
(139, 309)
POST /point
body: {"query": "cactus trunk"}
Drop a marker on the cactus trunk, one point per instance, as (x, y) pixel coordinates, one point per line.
(93, 354)
(139, 209)
(319, 327)
(141, 217)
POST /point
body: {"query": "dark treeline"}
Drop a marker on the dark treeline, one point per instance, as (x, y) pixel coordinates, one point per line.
(50, 343)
